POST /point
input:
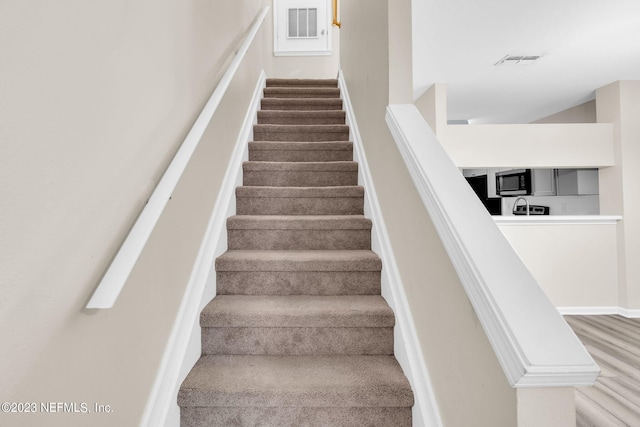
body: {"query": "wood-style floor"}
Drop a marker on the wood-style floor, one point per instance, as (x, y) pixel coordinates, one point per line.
(614, 343)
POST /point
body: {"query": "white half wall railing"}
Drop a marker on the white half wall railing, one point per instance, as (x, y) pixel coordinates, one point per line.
(533, 343)
(118, 272)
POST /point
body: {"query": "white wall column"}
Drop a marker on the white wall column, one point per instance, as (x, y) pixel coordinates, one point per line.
(400, 52)
(619, 103)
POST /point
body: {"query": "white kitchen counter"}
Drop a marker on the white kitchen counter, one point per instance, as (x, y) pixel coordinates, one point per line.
(555, 219)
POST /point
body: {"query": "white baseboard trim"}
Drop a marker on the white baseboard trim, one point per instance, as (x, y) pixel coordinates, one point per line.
(183, 346)
(594, 311)
(406, 344)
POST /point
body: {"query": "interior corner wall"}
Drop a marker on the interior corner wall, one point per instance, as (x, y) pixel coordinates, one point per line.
(95, 98)
(432, 104)
(583, 113)
(468, 382)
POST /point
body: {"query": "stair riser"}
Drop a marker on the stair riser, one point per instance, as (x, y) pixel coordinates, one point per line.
(301, 92)
(300, 206)
(298, 283)
(300, 155)
(300, 178)
(301, 105)
(318, 119)
(296, 151)
(275, 82)
(295, 416)
(299, 239)
(297, 341)
(268, 135)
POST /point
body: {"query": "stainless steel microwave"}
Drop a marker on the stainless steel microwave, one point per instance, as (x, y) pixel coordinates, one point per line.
(514, 182)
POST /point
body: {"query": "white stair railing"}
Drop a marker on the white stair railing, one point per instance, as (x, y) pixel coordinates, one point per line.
(533, 343)
(118, 272)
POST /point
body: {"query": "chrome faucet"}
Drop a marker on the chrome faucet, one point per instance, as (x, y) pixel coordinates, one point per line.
(515, 205)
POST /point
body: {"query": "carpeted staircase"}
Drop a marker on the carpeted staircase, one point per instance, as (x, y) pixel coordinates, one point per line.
(298, 334)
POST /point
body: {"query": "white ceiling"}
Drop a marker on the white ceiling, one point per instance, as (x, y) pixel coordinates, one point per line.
(585, 44)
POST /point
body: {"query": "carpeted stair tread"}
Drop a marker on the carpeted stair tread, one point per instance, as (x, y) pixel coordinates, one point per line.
(310, 133)
(354, 191)
(301, 82)
(301, 92)
(301, 282)
(297, 325)
(310, 260)
(291, 151)
(348, 166)
(291, 416)
(301, 104)
(300, 174)
(299, 232)
(294, 117)
(299, 381)
(297, 341)
(336, 128)
(301, 222)
(301, 146)
(337, 200)
(267, 311)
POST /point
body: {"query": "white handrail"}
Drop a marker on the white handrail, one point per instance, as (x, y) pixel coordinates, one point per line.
(534, 345)
(118, 272)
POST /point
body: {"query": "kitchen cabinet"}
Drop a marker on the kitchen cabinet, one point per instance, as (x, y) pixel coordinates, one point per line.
(544, 182)
(577, 182)
(473, 172)
(491, 181)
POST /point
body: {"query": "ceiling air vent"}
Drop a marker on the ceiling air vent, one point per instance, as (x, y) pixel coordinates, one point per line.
(518, 60)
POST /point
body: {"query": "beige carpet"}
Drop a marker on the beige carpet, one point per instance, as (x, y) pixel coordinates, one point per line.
(298, 334)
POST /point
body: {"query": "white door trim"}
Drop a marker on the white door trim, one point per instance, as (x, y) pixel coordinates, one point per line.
(305, 49)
